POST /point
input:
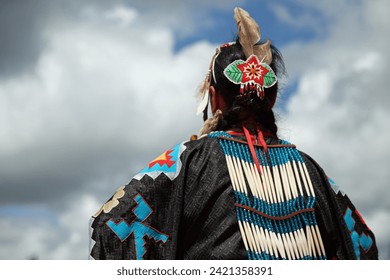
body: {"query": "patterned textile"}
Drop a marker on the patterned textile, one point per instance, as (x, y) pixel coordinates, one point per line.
(186, 204)
(275, 209)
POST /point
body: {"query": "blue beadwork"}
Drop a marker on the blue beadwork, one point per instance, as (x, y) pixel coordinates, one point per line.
(275, 158)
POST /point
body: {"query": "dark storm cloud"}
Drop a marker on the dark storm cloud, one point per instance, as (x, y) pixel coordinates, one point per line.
(50, 172)
(21, 30)
(20, 34)
(44, 176)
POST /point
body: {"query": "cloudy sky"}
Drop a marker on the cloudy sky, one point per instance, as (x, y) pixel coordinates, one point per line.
(90, 91)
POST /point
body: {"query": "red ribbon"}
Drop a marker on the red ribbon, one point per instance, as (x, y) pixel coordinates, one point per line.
(252, 147)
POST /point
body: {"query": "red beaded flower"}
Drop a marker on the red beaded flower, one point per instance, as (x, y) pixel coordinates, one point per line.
(251, 75)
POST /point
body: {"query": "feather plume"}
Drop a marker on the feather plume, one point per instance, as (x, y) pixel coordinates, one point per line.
(203, 96)
(248, 30)
(263, 52)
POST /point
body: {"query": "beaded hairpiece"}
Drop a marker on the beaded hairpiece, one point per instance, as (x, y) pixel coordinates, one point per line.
(254, 74)
(251, 75)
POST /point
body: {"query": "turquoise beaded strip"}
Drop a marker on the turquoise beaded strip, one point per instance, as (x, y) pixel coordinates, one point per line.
(298, 208)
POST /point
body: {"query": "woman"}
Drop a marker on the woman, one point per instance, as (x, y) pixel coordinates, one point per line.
(238, 191)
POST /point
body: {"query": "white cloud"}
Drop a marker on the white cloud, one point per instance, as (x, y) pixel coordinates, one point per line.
(23, 238)
(40, 237)
(74, 227)
(100, 90)
(284, 14)
(124, 16)
(183, 17)
(105, 98)
(377, 222)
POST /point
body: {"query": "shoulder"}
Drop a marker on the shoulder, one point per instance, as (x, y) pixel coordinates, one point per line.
(171, 161)
(201, 148)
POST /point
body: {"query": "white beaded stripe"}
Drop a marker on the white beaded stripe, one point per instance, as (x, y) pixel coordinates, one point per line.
(285, 184)
(292, 245)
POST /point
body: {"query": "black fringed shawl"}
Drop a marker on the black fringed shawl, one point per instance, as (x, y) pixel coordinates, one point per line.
(183, 206)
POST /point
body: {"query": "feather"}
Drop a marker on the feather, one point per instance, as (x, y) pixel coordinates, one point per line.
(204, 100)
(263, 52)
(248, 30)
(203, 95)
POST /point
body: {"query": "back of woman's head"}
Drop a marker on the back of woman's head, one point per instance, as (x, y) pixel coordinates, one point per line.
(247, 107)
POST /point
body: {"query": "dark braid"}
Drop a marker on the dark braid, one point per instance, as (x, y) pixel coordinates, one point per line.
(242, 108)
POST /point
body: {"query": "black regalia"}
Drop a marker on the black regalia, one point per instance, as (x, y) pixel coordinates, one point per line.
(206, 199)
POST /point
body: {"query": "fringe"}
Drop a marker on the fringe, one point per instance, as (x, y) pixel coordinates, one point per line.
(275, 207)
